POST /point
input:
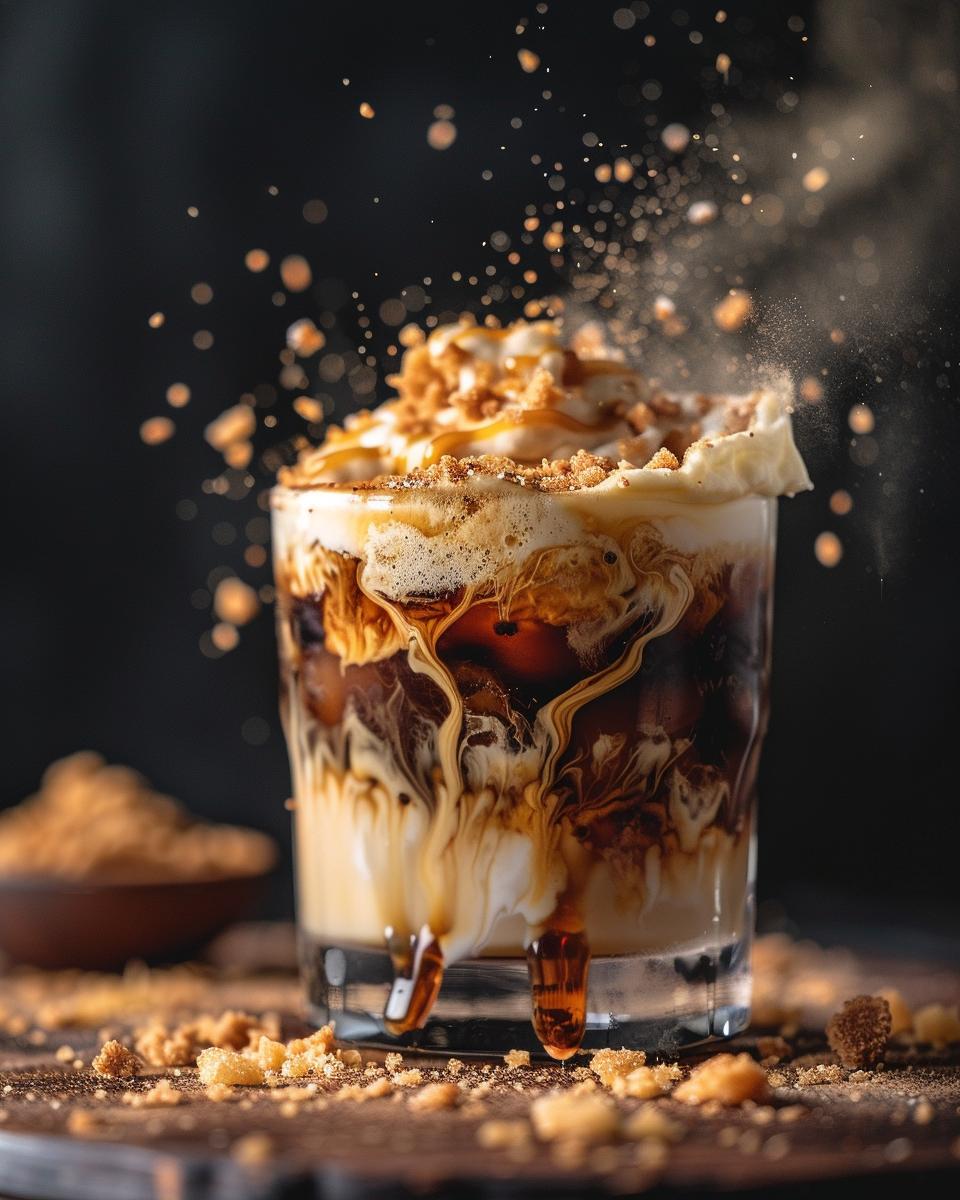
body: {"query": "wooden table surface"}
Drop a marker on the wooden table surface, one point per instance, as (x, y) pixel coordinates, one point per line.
(898, 1127)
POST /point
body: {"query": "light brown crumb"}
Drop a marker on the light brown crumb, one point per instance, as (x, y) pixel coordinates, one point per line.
(727, 1078)
(503, 1135)
(859, 1032)
(568, 1116)
(649, 1122)
(228, 1067)
(271, 1055)
(517, 1058)
(252, 1149)
(115, 1061)
(609, 1065)
(178, 1047)
(937, 1025)
(411, 1078)
(773, 1049)
(219, 1093)
(435, 1097)
(162, 1095)
(663, 459)
(393, 1061)
(81, 1123)
(454, 1066)
(821, 1073)
(901, 1017)
(65, 1054)
(924, 1113)
(645, 1083)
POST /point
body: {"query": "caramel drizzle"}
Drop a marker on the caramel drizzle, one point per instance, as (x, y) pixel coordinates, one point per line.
(457, 440)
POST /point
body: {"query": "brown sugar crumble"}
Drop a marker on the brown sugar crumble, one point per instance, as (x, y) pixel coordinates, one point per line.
(730, 1079)
(937, 1025)
(859, 1032)
(115, 1061)
(609, 1065)
(141, 835)
(517, 1058)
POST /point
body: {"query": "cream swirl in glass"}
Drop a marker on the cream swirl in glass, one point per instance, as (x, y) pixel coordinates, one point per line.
(523, 612)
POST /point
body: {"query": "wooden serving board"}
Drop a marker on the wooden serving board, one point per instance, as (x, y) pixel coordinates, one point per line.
(896, 1128)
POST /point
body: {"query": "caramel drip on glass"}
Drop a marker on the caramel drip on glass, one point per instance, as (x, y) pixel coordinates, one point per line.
(418, 972)
(559, 964)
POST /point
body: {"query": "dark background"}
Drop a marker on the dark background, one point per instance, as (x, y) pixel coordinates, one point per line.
(115, 116)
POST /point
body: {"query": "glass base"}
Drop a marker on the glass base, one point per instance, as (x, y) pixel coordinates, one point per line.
(655, 1002)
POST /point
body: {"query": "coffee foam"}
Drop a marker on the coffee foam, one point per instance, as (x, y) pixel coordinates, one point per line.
(437, 541)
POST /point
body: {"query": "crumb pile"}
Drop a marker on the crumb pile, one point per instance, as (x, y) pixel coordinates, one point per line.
(141, 836)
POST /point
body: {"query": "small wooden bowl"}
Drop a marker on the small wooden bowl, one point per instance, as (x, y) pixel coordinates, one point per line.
(56, 924)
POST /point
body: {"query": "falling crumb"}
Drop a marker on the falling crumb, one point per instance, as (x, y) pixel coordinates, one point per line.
(115, 1061)
(193, 211)
(156, 430)
(517, 1058)
(178, 395)
(828, 548)
(162, 1095)
(295, 273)
(441, 135)
(308, 408)
(235, 424)
(816, 179)
(841, 503)
(315, 212)
(861, 419)
(588, 1118)
(819, 1074)
(733, 311)
(609, 1065)
(235, 601)
(256, 260)
(304, 338)
(675, 137)
(252, 1149)
(937, 1025)
(503, 1135)
(65, 1054)
(529, 61)
(702, 212)
(722, 65)
(811, 390)
(203, 339)
(435, 1097)
(155, 320)
(727, 1078)
(367, 110)
(228, 1067)
(201, 293)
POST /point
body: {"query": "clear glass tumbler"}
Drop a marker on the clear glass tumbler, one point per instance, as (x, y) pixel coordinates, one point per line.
(523, 731)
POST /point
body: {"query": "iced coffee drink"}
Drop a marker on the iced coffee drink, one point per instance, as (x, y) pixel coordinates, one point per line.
(524, 620)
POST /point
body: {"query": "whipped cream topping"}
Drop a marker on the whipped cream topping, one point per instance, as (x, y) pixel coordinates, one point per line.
(520, 396)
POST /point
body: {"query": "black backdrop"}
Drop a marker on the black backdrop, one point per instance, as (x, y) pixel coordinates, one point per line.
(117, 116)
